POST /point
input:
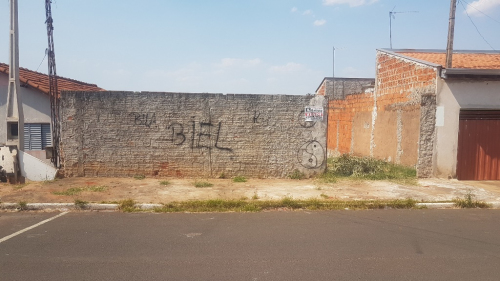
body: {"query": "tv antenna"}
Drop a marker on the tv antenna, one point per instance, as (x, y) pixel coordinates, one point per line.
(392, 15)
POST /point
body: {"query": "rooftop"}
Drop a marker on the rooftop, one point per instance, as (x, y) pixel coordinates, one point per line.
(461, 59)
(40, 81)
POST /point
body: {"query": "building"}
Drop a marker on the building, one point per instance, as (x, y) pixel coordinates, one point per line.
(34, 88)
(338, 88)
(445, 122)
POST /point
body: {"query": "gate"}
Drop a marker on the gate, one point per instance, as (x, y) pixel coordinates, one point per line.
(479, 145)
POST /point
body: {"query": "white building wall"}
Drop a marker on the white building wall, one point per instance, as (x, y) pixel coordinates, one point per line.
(36, 106)
(454, 95)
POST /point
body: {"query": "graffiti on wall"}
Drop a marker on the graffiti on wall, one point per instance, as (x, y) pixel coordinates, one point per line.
(311, 155)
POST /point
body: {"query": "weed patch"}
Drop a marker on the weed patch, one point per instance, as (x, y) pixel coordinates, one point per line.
(77, 190)
(23, 205)
(366, 168)
(139, 177)
(202, 184)
(19, 186)
(220, 205)
(297, 175)
(165, 183)
(80, 204)
(469, 202)
(239, 179)
(128, 206)
(223, 176)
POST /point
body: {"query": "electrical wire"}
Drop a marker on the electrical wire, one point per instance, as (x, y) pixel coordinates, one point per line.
(42, 60)
(477, 29)
(468, 4)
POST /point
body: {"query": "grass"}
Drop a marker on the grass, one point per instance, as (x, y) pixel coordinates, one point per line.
(165, 182)
(80, 204)
(223, 176)
(128, 206)
(239, 179)
(139, 177)
(365, 168)
(19, 186)
(469, 202)
(255, 196)
(219, 205)
(297, 175)
(77, 190)
(23, 205)
(202, 184)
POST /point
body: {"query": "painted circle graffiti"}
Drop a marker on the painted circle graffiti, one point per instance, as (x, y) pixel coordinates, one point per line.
(311, 155)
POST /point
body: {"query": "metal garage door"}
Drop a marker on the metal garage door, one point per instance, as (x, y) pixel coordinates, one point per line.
(479, 145)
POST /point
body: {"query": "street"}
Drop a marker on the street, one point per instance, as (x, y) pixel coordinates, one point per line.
(279, 245)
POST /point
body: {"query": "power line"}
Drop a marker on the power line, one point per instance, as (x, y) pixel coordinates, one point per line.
(468, 4)
(477, 29)
(42, 60)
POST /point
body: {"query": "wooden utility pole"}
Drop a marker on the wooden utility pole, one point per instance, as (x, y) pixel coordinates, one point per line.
(451, 34)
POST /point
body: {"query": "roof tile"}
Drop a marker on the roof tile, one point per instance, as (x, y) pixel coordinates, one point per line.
(40, 81)
(460, 60)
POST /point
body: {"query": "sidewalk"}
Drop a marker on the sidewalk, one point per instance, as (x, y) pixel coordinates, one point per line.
(149, 190)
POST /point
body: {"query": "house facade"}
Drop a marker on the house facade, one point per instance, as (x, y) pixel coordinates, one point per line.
(34, 89)
(445, 122)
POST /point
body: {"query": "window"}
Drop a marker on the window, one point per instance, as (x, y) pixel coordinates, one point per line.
(37, 136)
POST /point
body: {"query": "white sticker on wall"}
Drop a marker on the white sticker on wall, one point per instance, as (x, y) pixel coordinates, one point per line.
(440, 116)
(313, 113)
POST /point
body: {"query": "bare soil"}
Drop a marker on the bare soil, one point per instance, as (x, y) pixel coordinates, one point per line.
(149, 190)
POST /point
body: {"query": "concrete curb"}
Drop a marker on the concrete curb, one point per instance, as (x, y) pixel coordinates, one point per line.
(115, 207)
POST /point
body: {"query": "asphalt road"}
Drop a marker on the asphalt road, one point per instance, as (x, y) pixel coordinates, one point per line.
(333, 245)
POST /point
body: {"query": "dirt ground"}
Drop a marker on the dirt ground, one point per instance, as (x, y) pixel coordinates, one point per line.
(149, 190)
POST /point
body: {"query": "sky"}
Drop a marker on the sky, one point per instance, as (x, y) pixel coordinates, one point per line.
(236, 46)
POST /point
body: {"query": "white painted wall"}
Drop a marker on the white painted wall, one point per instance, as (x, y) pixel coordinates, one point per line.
(36, 106)
(454, 95)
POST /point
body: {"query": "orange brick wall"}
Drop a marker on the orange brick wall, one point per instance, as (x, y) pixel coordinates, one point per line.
(401, 82)
(341, 114)
(399, 86)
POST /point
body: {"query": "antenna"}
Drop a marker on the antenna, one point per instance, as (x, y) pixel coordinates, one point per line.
(392, 15)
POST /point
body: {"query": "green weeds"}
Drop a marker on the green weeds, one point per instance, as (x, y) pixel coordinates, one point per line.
(219, 205)
(128, 206)
(165, 183)
(139, 177)
(469, 202)
(23, 205)
(80, 204)
(77, 190)
(297, 175)
(239, 179)
(202, 184)
(365, 168)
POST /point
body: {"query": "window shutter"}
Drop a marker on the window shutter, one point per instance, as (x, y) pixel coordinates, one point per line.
(36, 136)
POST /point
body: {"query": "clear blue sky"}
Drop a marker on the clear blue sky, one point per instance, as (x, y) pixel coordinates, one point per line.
(234, 46)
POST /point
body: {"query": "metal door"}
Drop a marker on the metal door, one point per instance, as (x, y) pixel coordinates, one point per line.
(479, 145)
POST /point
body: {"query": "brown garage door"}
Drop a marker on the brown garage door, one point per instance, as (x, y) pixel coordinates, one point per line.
(479, 145)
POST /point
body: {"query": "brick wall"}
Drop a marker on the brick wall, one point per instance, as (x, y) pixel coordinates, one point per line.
(341, 116)
(193, 135)
(394, 122)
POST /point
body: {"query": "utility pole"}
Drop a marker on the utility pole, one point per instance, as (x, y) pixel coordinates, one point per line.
(14, 118)
(451, 34)
(53, 88)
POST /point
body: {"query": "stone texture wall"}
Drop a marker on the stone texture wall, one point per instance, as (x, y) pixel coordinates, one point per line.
(192, 135)
(395, 122)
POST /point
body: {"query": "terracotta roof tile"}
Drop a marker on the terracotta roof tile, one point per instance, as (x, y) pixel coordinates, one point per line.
(460, 60)
(40, 81)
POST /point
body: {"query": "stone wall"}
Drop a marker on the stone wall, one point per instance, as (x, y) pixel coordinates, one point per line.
(192, 135)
